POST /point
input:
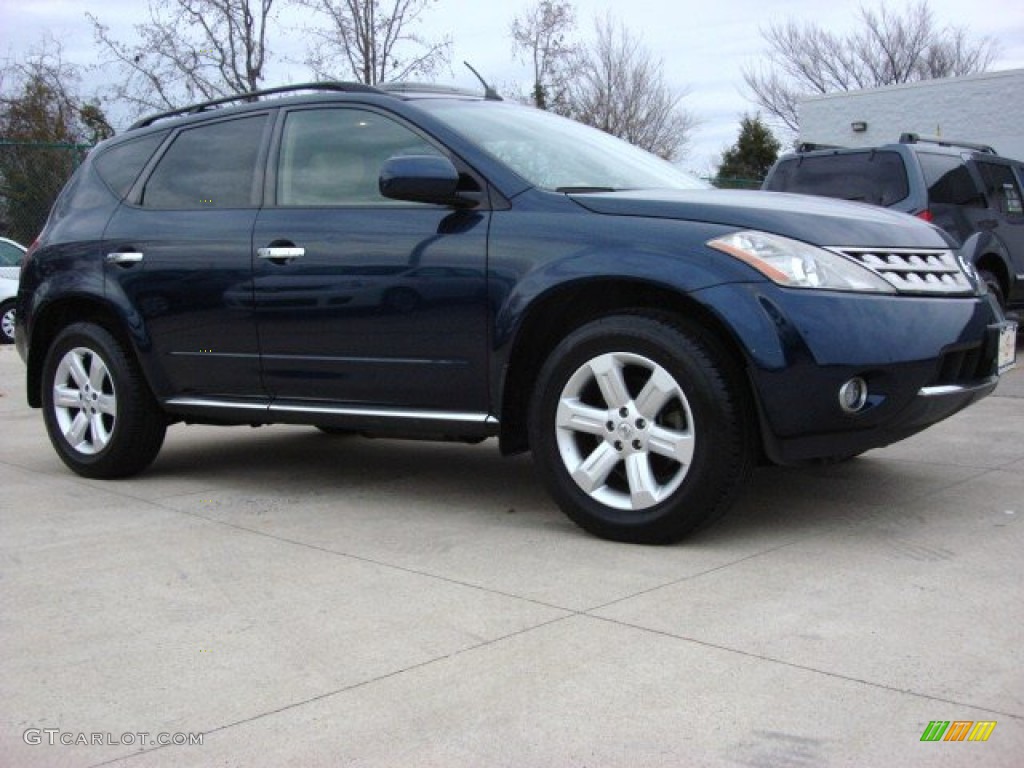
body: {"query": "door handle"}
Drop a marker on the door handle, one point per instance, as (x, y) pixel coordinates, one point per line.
(124, 257)
(280, 252)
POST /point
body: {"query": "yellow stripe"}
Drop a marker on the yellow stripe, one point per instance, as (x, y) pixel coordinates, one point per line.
(982, 730)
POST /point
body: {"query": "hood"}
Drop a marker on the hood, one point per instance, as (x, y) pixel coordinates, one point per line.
(816, 220)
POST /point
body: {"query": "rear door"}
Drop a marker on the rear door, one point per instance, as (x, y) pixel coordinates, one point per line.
(179, 259)
(363, 301)
(1005, 216)
(955, 198)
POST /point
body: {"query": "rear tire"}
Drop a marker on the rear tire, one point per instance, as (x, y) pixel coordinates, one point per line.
(641, 428)
(101, 417)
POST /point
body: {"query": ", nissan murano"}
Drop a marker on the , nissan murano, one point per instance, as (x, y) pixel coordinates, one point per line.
(422, 262)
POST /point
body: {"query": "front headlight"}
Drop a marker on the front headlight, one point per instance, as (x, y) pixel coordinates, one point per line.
(799, 265)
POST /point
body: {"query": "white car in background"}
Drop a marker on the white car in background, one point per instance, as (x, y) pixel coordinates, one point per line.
(11, 255)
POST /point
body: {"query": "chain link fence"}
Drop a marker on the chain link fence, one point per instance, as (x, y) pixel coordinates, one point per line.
(32, 174)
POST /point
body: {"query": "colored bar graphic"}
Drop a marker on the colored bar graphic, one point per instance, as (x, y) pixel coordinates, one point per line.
(982, 730)
(958, 730)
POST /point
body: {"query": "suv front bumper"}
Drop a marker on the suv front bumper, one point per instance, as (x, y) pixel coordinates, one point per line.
(922, 359)
(930, 406)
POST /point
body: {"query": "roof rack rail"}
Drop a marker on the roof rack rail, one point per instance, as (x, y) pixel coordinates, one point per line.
(407, 86)
(253, 96)
(810, 146)
(916, 138)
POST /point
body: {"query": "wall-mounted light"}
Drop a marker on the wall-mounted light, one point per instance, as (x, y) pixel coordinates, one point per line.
(859, 126)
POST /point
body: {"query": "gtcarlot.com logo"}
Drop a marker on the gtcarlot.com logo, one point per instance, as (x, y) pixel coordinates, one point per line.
(55, 736)
(958, 730)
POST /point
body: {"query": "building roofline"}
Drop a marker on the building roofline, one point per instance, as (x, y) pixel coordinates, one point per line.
(933, 83)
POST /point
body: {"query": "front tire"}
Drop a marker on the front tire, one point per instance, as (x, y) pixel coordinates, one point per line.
(641, 429)
(99, 413)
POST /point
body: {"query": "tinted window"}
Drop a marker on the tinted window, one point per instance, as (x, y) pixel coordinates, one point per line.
(334, 156)
(212, 166)
(1001, 188)
(120, 165)
(871, 177)
(949, 182)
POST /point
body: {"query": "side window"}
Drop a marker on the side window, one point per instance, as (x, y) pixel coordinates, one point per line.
(1002, 188)
(120, 165)
(949, 182)
(871, 177)
(334, 156)
(212, 166)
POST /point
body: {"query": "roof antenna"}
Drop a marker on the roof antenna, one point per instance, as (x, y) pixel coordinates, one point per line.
(489, 93)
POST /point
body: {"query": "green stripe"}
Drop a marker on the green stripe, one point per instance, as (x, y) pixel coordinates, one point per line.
(935, 730)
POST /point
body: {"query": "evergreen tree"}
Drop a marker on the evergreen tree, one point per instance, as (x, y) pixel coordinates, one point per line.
(751, 156)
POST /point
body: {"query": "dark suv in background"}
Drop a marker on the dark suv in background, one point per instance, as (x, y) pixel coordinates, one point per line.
(966, 189)
(428, 263)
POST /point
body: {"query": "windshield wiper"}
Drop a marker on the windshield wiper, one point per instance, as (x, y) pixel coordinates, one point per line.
(584, 190)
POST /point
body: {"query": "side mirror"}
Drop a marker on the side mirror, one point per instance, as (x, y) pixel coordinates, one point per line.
(421, 179)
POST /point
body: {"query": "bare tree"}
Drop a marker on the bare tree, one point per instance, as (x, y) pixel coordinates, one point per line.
(619, 87)
(189, 50)
(541, 34)
(373, 41)
(886, 49)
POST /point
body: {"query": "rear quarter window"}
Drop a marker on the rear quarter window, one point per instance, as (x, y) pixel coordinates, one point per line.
(121, 165)
(949, 181)
(879, 178)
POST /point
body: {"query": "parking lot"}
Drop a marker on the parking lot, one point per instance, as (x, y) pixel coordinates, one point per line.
(292, 598)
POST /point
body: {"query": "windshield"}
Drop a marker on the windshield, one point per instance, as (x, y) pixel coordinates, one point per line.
(559, 154)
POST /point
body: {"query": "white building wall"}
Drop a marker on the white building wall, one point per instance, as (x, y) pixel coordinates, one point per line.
(982, 109)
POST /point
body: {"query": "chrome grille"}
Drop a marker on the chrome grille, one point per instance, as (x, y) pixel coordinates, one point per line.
(913, 270)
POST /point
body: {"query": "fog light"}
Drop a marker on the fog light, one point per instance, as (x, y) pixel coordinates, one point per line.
(853, 395)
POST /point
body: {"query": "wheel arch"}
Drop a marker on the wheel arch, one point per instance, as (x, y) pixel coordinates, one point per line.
(567, 307)
(988, 253)
(56, 316)
(996, 265)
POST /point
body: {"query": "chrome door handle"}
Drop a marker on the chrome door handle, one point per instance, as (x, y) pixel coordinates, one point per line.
(124, 257)
(280, 252)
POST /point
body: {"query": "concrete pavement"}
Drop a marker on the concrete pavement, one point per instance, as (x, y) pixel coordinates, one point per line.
(297, 599)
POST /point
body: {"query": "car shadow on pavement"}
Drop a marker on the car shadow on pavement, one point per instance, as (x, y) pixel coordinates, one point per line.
(306, 466)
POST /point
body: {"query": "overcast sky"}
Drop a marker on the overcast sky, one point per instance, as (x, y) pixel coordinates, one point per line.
(704, 45)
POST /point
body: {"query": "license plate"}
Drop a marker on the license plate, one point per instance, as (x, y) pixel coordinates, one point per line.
(1007, 348)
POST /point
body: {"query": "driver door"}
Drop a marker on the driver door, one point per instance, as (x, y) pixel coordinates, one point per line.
(361, 300)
